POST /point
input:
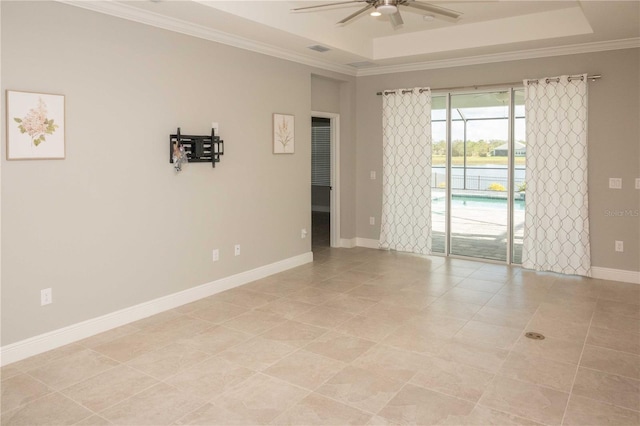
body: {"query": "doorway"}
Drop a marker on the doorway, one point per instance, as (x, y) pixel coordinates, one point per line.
(478, 174)
(325, 223)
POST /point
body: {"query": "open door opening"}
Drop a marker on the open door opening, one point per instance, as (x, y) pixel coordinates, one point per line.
(320, 182)
(324, 181)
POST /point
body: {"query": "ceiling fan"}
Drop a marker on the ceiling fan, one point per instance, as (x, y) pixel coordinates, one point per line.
(391, 8)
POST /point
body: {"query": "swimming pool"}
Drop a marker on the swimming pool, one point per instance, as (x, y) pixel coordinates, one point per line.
(478, 202)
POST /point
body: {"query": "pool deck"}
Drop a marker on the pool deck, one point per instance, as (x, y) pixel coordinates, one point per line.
(478, 231)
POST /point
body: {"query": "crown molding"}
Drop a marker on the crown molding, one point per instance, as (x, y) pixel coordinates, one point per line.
(130, 13)
(573, 49)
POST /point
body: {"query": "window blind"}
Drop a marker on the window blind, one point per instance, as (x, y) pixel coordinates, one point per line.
(320, 152)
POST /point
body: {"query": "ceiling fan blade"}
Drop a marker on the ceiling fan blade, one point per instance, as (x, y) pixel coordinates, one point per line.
(396, 19)
(353, 15)
(326, 5)
(439, 12)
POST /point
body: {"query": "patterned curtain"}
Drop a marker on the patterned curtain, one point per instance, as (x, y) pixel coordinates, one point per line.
(406, 171)
(556, 233)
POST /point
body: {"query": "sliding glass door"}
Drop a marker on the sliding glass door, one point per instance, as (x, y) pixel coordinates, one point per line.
(478, 174)
(519, 153)
(439, 173)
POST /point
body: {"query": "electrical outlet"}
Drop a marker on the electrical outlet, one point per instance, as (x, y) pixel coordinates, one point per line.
(303, 233)
(619, 246)
(637, 183)
(46, 297)
(216, 128)
(373, 175)
(215, 255)
(372, 220)
(236, 250)
(615, 183)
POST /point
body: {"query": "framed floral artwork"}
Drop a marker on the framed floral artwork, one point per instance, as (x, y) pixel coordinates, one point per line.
(283, 134)
(35, 126)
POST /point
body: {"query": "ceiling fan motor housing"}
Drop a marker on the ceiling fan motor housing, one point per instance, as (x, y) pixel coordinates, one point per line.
(391, 8)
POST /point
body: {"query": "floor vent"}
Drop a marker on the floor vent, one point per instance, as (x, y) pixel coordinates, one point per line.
(533, 335)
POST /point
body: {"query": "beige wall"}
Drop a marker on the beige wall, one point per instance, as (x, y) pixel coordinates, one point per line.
(325, 97)
(614, 138)
(336, 95)
(325, 94)
(112, 225)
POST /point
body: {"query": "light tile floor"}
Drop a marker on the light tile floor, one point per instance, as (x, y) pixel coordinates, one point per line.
(358, 337)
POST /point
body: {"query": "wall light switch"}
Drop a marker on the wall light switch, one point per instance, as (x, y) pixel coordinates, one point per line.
(615, 183)
(236, 250)
(637, 183)
(372, 220)
(373, 175)
(619, 246)
(215, 256)
(46, 297)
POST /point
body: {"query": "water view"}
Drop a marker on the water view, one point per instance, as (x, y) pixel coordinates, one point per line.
(477, 177)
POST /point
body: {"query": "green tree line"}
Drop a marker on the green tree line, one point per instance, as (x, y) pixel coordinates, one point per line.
(479, 148)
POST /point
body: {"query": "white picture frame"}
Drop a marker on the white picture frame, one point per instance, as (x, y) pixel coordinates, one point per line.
(35, 126)
(283, 134)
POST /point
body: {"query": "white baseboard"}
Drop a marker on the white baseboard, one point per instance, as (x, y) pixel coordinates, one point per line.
(615, 275)
(596, 271)
(347, 242)
(63, 336)
(368, 243)
(324, 209)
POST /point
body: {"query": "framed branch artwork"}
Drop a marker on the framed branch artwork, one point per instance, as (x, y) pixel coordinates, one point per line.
(283, 134)
(35, 126)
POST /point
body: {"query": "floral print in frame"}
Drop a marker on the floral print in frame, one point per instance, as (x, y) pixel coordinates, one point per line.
(35, 126)
(283, 134)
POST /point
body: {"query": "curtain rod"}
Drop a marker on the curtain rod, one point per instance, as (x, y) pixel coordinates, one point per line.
(482, 86)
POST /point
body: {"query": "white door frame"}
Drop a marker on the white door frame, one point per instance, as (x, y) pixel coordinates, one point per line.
(335, 174)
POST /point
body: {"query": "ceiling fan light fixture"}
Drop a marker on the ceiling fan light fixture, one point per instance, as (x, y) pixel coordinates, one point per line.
(387, 9)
